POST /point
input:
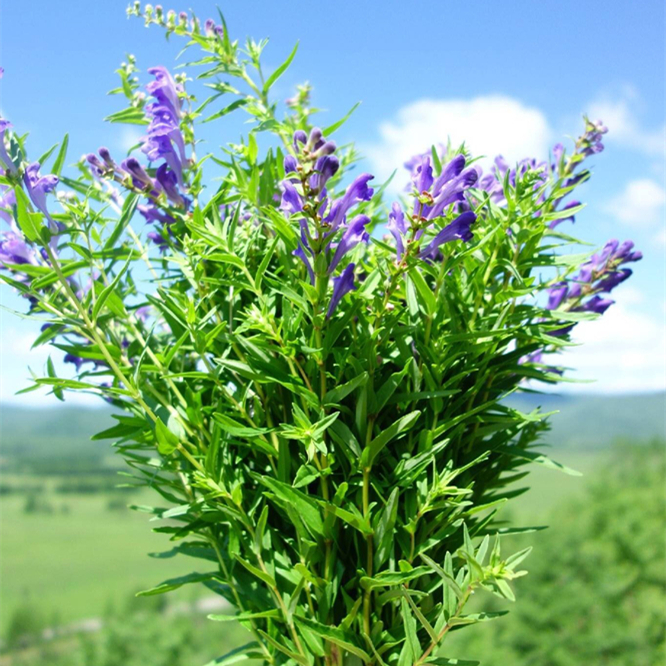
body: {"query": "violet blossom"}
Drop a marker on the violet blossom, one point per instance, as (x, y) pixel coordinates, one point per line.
(38, 187)
(458, 229)
(342, 285)
(353, 234)
(308, 171)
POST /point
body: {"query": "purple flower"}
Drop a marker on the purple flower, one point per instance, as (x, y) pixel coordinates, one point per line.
(292, 201)
(152, 213)
(342, 285)
(159, 240)
(556, 295)
(325, 168)
(597, 304)
(613, 280)
(590, 142)
(446, 192)
(168, 182)
(165, 90)
(14, 249)
(140, 177)
(358, 191)
(459, 229)
(77, 361)
(398, 227)
(142, 313)
(290, 164)
(558, 153)
(300, 253)
(300, 137)
(571, 204)
(99, 168)
(7, 201)
(452, 170)
(5, 159)
(39, 186)
(353, 234)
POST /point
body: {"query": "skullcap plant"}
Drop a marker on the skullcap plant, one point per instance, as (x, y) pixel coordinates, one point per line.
(312, 380)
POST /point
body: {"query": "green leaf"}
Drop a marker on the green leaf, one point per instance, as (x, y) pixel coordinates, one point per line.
(423, 290)
(227, 109)
(175, 583)
(538, 458)
(279, 71)
(125, 216)
(226, 258)
(448, 579)
(376, 445)
(60, 157)
(285, 650)
(242, 653)
(344, 639)
(384, 534)
(437, 163)
(272, 614)
(29, 222)
(392, 578)
(411, 650)
(257, 573)
(129, 116)
(474, 618)
(238, 429)
(108, 291)
(259, 275)
(167, 442)
(443, 661)
(356, 521)
(305, 506)
(334, 396)
(331, 128)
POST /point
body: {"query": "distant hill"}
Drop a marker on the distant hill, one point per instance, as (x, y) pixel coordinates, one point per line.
(597, 421)
(57, 432)
(584, 421)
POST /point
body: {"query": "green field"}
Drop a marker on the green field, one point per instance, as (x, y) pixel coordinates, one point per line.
(75, 564)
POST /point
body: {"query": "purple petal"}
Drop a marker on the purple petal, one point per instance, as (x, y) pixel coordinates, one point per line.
(459, 229)
(354, 234)
(342, 285)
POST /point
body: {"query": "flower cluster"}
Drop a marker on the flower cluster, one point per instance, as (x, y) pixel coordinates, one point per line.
(180, 23)
(163, 141)
(13, 247)
(432, 198)
(600, 275)
(589, 143)
(326, 233)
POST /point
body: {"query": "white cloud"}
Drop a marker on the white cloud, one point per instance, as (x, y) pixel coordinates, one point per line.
(489, 125)
(640, 204)
(16, 356)
(619, 114)
(660, 238)
(623, 351)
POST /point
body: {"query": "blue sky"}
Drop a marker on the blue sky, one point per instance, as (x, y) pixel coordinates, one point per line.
(512, 77)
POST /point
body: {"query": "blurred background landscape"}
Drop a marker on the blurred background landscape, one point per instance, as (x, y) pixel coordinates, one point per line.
(73, 556)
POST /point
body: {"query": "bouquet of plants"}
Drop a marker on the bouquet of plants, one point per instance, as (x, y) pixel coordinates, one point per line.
(312, 380)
